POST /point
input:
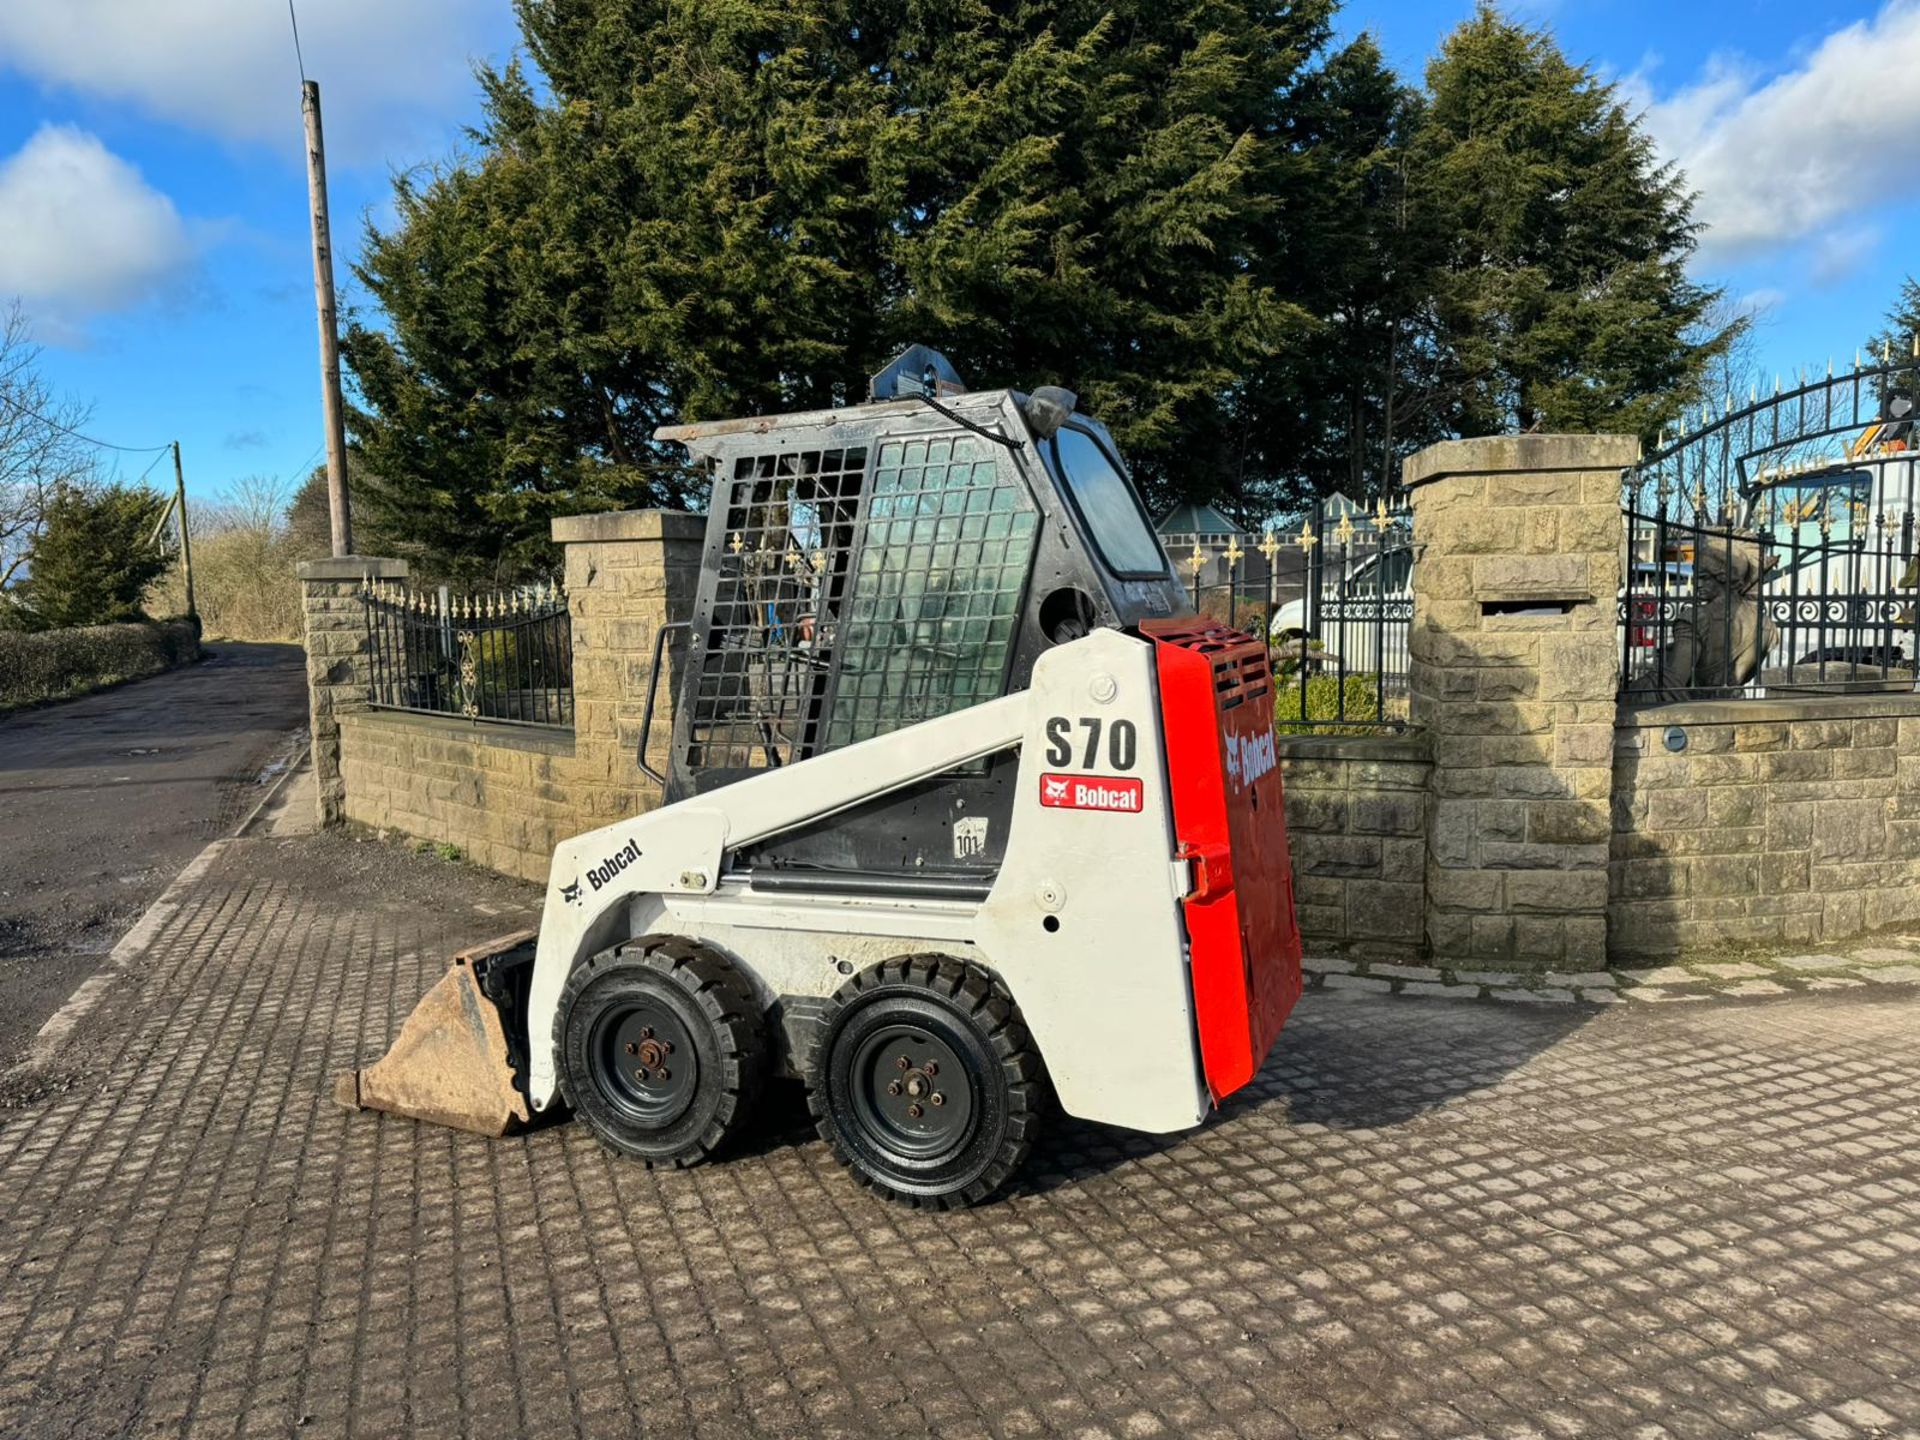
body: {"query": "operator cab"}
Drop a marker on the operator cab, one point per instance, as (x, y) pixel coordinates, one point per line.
(874, 566)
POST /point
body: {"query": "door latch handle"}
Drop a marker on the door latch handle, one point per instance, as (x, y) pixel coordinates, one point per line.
(1212, 870)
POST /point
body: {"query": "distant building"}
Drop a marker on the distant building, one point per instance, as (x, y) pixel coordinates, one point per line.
(1186, 525)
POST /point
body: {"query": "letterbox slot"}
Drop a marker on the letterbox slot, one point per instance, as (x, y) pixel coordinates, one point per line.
(1536, 608)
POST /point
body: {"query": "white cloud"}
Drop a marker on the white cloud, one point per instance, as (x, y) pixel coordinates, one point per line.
(82, 232)
(1759, 304)
(387, 71)
(1839, 254)
(1778, 159)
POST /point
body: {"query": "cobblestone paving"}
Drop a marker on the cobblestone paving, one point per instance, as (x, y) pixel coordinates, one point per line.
(1881, 960)
(1425, 1219)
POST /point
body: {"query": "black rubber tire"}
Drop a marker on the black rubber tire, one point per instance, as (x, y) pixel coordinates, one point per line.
(963, 1012)
(718, 1016)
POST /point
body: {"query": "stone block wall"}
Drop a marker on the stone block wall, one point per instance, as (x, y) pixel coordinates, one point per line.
(507, 794)
(504, 795)
(627, 574)
(1356, 821)
(1526, 822)
(334, 618)
(1513, 675)
(1775, 822)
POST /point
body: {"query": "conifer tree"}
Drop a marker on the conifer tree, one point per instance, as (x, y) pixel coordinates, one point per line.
(711, 208)
(1899, 335)
(1354, 403)
(1272, 271)
(1561, 299)
(91, 561)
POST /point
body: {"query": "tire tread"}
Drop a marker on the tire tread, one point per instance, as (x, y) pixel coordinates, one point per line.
(723, 994)
(983, 999)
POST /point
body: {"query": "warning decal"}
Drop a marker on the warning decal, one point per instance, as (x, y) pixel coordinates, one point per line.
(1092, 792)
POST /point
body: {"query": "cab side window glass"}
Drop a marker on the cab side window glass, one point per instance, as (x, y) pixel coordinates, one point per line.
(1106, 503)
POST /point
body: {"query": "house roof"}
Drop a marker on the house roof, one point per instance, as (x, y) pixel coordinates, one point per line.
(1190, 519)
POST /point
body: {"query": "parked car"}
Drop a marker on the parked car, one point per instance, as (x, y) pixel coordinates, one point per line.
(1358, 622)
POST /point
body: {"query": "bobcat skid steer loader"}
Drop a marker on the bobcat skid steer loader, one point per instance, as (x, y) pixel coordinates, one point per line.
(963, 805)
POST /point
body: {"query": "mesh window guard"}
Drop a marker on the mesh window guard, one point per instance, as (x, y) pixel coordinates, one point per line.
(784, 569)
(949, 539)
(848, 604)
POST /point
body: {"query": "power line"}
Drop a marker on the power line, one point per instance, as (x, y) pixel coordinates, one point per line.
(48, 420)
(151, 463)
(298, 59)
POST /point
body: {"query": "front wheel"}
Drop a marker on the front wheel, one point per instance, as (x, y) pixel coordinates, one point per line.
(663, 1049)
(926, 1083)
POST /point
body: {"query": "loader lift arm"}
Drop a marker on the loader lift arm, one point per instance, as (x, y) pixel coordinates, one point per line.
(680, 850)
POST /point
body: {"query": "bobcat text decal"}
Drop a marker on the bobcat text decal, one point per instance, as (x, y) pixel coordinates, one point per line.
(603, 873)
(1250, 756)
(1080, 792)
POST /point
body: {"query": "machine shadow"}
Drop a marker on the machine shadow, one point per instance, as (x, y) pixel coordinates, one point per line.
(1349, 1062)
(781, 1122)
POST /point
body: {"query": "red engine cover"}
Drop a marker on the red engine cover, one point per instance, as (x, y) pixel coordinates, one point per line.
(1216, 700)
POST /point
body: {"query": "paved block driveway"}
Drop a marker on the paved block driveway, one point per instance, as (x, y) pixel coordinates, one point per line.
(1429, 1218)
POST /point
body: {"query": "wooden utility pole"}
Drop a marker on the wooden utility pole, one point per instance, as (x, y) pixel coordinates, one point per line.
(180, 513)
(330, 408)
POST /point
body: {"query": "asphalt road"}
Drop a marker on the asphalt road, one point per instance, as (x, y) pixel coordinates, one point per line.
(104, 799)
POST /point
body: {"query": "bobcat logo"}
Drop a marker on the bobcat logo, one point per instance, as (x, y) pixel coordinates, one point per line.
(1055, 786)
(571, 893)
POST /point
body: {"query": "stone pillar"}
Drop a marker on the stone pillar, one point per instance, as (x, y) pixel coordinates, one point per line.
(1514, 660)
(338, 677)
(628, 572)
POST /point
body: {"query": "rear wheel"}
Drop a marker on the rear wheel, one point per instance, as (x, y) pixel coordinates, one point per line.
(926, 1083)
(663, 1050)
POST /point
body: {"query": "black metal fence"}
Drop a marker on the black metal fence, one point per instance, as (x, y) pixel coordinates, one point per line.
(504, 657)
(1770, 546)
(1341, 648)
(1806, 586)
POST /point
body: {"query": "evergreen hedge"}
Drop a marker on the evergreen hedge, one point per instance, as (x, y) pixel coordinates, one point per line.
(37, 666)
(1325, 694)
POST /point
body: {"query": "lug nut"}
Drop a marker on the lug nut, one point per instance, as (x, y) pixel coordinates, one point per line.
(914, 1111)
(931, 1068)
(893, 1087)
(633, 1049)
(665, 1074)
(641, 1075)
(904, 1063)
(936, 1098)
(646, 1032)
(666, 1047)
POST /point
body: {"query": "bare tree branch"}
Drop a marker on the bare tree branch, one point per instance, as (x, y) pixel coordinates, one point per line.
(37, 455)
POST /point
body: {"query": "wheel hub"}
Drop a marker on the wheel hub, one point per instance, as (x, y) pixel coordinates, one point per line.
(644, 1062)
(910, 1093)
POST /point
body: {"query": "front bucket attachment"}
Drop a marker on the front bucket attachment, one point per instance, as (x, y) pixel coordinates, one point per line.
(458, 1059)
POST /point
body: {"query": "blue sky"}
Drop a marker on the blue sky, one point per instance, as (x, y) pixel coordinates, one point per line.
(153, 203)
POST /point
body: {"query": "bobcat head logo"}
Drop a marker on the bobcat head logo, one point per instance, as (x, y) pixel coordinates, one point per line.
(571, 893)
(1056, 789)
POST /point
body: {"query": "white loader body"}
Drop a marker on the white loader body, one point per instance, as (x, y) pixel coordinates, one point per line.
(1082, 923)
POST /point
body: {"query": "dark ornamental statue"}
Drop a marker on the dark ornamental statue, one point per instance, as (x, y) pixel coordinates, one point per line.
(1721, 637)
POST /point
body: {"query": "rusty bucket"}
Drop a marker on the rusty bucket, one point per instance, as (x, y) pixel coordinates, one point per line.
(458, 1059)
